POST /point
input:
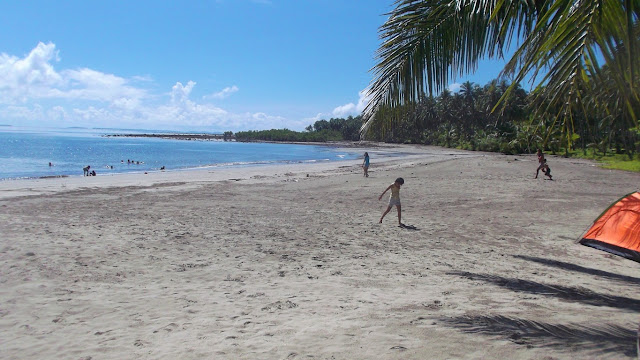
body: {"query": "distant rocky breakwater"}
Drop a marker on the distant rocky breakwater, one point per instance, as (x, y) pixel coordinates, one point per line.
(202, 137)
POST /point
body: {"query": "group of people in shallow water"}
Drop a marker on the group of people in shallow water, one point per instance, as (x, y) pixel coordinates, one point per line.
(87, 171)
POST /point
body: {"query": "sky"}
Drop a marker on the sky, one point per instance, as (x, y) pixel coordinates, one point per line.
(206, 65)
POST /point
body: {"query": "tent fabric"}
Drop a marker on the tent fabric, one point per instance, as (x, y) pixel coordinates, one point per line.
(617, 229)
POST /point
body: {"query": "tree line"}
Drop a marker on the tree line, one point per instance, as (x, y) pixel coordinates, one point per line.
(334, 129)
(472, 118)
(583, 56)
(502, 117)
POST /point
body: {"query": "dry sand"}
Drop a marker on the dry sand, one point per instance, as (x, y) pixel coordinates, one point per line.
(291, 263)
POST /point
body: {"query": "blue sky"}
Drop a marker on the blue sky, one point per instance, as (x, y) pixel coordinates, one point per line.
(187, 65)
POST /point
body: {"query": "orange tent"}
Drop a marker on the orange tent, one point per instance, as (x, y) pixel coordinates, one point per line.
(617, 229)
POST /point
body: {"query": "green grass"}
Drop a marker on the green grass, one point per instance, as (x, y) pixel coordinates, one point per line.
(621, 164)
(613, 161)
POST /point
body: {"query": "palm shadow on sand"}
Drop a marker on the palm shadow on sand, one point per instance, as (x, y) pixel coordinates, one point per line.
(604, 338)
(576, 294)
(577, 268)
(599, 339)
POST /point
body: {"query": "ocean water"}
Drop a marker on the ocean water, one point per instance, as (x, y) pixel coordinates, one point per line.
(27, 152)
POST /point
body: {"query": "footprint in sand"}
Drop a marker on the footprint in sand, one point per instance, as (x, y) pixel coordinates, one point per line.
(168, 328)
(138, 343)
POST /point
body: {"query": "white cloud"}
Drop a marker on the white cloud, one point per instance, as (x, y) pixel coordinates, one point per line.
(352, 109)
(21, 79)
(318, 117)
(34, 77)
(57, 113)
(142, 78)
(180, 93)
(223, 94)
(33, 92)
(454, 87)
(344, 110)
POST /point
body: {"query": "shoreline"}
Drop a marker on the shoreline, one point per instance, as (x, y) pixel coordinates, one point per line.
(250, 173)
(291, 262)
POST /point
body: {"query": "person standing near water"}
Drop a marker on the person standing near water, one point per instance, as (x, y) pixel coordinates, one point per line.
(365, 164)
(85, 170)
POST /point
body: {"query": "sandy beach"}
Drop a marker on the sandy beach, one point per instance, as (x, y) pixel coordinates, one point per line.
(290, 262)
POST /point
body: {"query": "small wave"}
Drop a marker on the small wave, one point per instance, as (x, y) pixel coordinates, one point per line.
(253, 163)
(53, 176)
(34, 177)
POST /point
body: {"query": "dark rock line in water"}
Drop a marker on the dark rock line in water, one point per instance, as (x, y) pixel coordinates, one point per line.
(178, 136)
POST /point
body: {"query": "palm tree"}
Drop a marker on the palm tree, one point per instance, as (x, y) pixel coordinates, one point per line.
(561, 45)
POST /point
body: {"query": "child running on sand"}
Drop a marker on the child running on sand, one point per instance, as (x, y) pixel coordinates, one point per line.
(394, 199)
(546, 169)
(541, 161)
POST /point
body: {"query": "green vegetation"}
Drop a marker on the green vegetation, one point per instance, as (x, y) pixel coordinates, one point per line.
(614, 161)
(465, 120)
(583, 56)
(321, 131)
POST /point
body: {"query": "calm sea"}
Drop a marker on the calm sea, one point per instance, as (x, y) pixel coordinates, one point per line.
(27, 152)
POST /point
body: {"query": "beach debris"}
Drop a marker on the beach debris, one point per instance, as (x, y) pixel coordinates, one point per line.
(398, 347)
(280, 305)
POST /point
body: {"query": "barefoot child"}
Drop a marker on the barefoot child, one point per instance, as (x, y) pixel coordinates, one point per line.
(394, 199)
(546, 169)
(541, 161)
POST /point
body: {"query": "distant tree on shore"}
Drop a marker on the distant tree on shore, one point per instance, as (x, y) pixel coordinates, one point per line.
(335, 129)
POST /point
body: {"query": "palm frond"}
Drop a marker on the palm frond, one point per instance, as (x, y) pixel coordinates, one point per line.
(427, 43)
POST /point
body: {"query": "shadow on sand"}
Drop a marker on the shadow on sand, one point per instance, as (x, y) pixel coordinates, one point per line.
(602, 339)
(568, 293)
(408, 227)
(577, 268)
